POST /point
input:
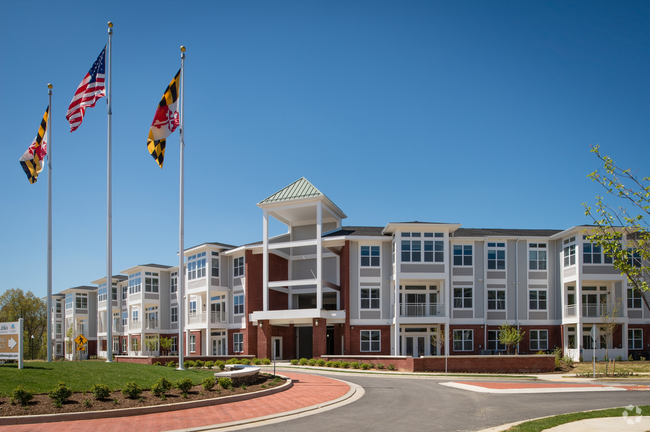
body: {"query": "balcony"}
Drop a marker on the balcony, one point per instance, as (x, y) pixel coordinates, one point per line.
(217, 317)
(197, 318)
(103, 328)
(135, 325)
(152, 324)
(570, 311)
(595, 310)
(422, 310)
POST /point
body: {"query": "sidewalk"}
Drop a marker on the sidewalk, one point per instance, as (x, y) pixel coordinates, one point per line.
(308, 391)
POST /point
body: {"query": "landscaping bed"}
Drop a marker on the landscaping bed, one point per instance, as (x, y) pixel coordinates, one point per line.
(86, 402)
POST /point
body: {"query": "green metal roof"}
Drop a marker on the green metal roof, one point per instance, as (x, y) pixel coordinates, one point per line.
(301, 188)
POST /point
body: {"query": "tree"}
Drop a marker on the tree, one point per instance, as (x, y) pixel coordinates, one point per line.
(165, 345)
(510, 336)
(70, 335)
(608, 327)
(15, 304)
(623, 232)
(438, 339)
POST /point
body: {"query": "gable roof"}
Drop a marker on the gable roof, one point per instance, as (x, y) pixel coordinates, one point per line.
(301, 188)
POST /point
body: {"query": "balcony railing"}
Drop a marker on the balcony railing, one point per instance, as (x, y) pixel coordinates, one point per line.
(135, 325)
(217, 317)
(197, 318)
(571, 311)
(152, 324)
(593, 310)
(103, 328)
(422, 309)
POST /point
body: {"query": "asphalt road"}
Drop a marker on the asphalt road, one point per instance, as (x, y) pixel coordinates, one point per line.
(394, 404)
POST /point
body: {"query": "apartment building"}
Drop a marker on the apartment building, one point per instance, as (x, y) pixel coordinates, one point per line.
(405, 289)
(79, 318)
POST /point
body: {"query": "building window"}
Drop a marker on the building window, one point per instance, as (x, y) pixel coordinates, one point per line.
(124, 347)
(125, 320)
(571, 337)
(538, 340)
(633, 258)
(173, 282)
(537, 299)
(69, 301)
(634, 300)
(81, 300)
(635, 339)
(58, 307)
(238, 342)
(496, 256)
(497, 299)
(174, 347)
(463, 298)
(58, 328)
(592, 254)
(174, 314)
(434, 250)
(59, 350)
(125, 291)
(463, 340)
(370, 340)
(135, 315)
(370, 298)
(134, 344)
(239, 304)
(462, 255)
(135, 283)
(215, 264)
(569, 252)
(192, 343)
(238, 267)
(493, 341)
(369, 256)
(192, 309)
(151, 282)
(102, 292)
(196, 266)
(537, 256)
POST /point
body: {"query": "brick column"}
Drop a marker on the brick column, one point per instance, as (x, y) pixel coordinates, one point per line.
(264, 345)
(319, 342)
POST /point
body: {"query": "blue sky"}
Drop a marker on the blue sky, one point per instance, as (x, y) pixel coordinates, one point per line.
(471, 112)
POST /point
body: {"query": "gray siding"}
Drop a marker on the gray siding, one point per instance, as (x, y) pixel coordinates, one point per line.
(354, 280)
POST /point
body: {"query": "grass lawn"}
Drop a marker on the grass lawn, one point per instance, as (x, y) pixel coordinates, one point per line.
(624, 366)
(41, 377)
(542, 424)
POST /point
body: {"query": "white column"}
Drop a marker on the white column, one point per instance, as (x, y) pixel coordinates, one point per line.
(265, 261)
(319, 256)
(626, 353)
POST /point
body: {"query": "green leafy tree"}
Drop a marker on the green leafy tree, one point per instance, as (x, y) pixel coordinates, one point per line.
(165, 345)
(15, 304)
(622, 231)
(510, 336)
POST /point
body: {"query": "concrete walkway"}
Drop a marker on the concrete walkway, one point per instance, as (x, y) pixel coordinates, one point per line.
(309, 392)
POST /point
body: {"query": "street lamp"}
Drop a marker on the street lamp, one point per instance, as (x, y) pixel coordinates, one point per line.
(32, 347)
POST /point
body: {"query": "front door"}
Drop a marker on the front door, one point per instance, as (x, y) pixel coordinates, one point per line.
(415, 346)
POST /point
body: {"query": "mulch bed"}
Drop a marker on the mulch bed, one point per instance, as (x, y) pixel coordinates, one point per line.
(42, 404)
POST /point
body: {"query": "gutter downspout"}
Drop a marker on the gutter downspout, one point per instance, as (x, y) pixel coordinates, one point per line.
(517, 286)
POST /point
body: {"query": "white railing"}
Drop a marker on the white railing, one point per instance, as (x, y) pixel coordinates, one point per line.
(598, 310)
(135, 325)
(152, 324)
(422, 309)
(196, 318)
(571, 311)
(217, 317)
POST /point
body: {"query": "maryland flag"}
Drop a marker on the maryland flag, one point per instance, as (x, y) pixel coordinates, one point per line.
(32, 160)
(165, 121)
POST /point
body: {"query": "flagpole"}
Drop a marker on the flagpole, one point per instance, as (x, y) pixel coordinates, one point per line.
(109, 203)
(181, 230)
(49, 223)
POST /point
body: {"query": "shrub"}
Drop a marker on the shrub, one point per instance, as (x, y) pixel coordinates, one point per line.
(303, 361)
(372, 365)
(619, 358)
(188, 364)
(365, 366)
(558, 363)
(208, 383)
(199, 363)
(225, 383)
(60, 394)
(171, 364)
(209, 364)
(245, 361)
(19, 394)
(312, 362)
(87, 403)
(184, 385)
(100, 391)
(220, 364)
(641, 358)
(354, 365)
(391, 367)
(162, 386)
(345, 365)
(257, 361)
(568, 360)
(580, 359)
(540, 352)
(320, 362)
(266, 361)
(294, 362)
(243, 386)
(336, 364)
(157, 364)
(330, 363)
(380, 365)
(630, 358)
(132, 390)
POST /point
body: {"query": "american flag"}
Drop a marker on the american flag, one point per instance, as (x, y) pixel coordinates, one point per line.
(91, 88)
